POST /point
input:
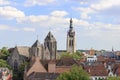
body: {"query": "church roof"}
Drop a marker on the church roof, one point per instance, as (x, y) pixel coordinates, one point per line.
(23, 50)
(50, 37)
(36, 44)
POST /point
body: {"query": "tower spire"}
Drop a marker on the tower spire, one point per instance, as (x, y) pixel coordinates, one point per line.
(71, 25)
(112, 49)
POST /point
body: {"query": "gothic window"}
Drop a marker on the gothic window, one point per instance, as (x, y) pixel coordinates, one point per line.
(48, 44)
(72, 42)
(37, 51)
(69, 42)
(15, 65)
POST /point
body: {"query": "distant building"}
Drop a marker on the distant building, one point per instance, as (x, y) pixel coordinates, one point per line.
(97, 71)
(50, 43)
(20, 54)
(91, 58)
(47, 69)
(92, 51)
(71, 41)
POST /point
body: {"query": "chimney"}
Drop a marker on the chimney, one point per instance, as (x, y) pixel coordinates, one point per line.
(51, 67)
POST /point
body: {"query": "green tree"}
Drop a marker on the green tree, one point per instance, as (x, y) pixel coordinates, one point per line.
(76, 55)
(113, 78)
(3, 63)
(76, 73)
(4, 53)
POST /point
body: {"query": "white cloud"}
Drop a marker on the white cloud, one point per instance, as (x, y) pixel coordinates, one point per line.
(9, 12)
(97, 7)
(29, 29)
(4, 2)
(4, 27)
(59, 13)
(16, 29)
(38, 2)
(104, 4)
(45, 20)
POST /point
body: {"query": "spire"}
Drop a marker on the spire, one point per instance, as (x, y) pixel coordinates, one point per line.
(71, 26)
(50, 36)
(36, 44)
(112, 49)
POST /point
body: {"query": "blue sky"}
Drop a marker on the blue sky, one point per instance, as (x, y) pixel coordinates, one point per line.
(96, 22)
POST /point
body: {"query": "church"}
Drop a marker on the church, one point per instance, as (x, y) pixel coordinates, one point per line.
(45, 51)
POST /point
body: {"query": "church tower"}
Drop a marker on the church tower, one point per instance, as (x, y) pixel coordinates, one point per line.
(71, 42)
(36, 50)
(50, 43)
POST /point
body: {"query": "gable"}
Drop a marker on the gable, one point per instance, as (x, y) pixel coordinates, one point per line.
(36, 67)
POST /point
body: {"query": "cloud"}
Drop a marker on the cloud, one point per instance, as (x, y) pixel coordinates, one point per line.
(98, 7)
(52, 19)
(4, 2)
(16, 29)
(29, 29)
(59, 13)
(11, 28)
(105, 4)
(4, 27)
(38, 2)
(9, 12)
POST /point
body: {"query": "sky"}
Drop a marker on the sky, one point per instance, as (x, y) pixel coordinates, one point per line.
(96, 22)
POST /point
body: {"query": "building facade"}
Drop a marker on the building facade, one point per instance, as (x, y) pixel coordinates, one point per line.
(21, 54)
(71, 41)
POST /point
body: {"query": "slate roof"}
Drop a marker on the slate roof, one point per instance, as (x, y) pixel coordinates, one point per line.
(36, 44)
(23, 50)
(50, 37)
(107, 54)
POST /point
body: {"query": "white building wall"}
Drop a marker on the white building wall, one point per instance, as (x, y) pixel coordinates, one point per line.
(91, 58)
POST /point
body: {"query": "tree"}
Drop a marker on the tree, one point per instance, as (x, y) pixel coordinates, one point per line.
(4, 53)
(3, 63)
(76, 73)
(113, 78)
(76, 55)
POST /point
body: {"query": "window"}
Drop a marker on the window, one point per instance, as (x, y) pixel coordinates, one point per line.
(72, 42)
(69, 42)
(15, 65)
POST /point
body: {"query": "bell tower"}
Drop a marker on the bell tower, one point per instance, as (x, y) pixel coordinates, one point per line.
(71, 42)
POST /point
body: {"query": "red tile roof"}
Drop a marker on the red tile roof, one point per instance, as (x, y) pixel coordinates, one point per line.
(96, 70)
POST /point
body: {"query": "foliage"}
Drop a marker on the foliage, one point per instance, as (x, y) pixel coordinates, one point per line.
(76, 73)
(76, 55)
(3, 63)
(4, 53)
(113, 78)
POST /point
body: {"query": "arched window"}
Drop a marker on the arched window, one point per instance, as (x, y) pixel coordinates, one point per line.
(72, 42)
(69, 42)
(15, 65)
